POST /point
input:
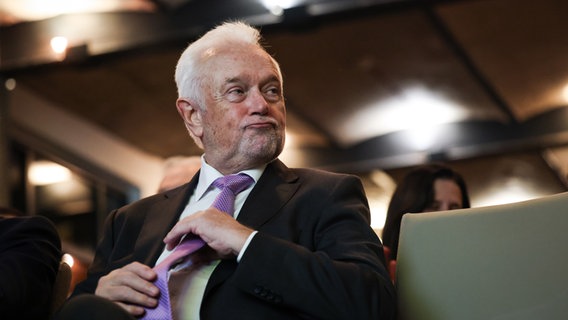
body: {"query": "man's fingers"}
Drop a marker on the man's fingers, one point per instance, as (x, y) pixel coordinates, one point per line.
(142, 270)
(134, 310)
(127, 295)
(131, 287)
(221, 232)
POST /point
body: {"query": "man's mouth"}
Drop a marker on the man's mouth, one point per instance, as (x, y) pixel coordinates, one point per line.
(262, 125)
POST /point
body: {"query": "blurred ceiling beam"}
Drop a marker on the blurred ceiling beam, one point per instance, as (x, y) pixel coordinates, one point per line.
(26, 44)
(453, 141)
(468, 63)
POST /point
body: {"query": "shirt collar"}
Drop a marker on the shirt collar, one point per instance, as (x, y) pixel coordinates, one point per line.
(208, 174)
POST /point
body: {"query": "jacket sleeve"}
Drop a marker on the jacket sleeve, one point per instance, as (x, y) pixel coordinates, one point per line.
(30, 252)
(328, 266)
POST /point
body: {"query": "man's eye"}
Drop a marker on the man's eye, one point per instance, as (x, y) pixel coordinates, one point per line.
(236, 91)
(235, 95)
(273, 93)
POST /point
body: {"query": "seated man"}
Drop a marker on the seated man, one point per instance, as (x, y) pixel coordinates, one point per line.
(30, 252)
(291, 243)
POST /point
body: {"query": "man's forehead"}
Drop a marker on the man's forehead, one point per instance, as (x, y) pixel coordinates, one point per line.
(241, 63)
(268, 77)
(243, 72)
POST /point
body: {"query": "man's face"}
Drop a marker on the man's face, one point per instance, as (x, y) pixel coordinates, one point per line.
(245, 116)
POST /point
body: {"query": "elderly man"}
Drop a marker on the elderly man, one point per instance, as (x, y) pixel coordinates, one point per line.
(300, 246)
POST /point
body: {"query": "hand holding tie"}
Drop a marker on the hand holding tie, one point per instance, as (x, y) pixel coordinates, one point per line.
(214, 226)
(221, 232)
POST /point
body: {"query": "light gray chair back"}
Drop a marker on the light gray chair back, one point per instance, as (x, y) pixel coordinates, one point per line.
(506, 262)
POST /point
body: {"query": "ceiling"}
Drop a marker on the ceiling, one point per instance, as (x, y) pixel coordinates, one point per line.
(469, 77)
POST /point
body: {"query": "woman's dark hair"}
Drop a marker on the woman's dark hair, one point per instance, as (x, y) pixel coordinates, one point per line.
(413, 195)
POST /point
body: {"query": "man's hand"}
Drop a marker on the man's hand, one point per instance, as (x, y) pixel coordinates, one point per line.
(219, 230)
(130, 287)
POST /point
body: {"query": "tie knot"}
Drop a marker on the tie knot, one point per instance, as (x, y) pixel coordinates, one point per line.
(235, 182)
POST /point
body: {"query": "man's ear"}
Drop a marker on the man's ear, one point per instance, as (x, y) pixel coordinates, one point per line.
(191, 115)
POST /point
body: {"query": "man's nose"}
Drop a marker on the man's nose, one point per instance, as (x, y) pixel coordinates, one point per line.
(257, 102)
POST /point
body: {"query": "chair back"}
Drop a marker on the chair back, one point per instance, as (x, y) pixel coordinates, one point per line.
(60, 287)
(500, 262)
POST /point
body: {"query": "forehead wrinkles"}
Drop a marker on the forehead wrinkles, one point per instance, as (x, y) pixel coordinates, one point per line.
(247, 79)
(247, 75)
(236, 64)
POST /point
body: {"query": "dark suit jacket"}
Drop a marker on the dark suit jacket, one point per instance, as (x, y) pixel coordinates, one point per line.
(30, 251)
(315, 255)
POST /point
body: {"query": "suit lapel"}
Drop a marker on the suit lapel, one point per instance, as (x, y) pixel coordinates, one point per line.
(274, 189)
(159, 219)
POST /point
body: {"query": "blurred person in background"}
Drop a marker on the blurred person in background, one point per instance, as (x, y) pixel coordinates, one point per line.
(427, 188)
(178, 170)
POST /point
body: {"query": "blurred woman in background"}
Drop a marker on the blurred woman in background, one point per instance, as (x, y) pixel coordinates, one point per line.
(427, 188)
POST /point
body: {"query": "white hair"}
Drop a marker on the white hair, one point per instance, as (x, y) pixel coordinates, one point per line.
(189, 75)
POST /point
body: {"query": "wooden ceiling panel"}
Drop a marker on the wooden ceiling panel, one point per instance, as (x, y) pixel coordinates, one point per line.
(520, 45)
(131, 96)
(338, 69)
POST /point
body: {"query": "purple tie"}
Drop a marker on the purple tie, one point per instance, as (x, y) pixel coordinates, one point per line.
(230, 186)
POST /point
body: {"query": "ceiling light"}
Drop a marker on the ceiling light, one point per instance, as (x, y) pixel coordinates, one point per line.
(565, 93)
(415, 108)
(45, 172)
(10, 84)
(421, 138)
(59, 44)
(277, 7)
(41, 9)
